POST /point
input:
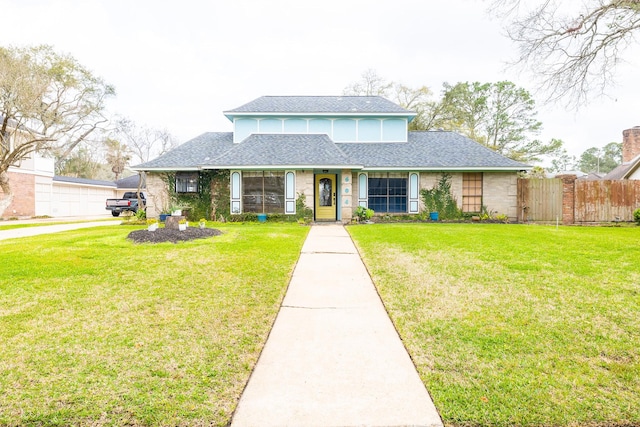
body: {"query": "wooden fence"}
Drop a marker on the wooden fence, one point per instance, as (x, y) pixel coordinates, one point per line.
(575, 201)
(540, 200)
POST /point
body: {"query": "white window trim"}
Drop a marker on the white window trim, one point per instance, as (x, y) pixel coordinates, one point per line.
(289, 193)
(235, 193)
(363, 201)
(414, 193)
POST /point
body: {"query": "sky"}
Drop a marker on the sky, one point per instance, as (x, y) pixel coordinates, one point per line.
(179, 65)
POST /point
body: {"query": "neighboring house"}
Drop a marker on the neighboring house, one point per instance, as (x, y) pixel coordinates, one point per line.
(38, 192)
(630, 166)
(340, 152)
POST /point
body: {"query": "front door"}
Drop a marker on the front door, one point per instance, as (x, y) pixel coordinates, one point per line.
(325, 197)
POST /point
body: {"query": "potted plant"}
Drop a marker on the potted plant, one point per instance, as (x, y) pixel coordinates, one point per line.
(182, 224)
(363, 214)
(202, 223)
(152, 224)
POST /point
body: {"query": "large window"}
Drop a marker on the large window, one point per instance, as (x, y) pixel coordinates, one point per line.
(472, 192)
(387, 192)
(187, 182)
(263, 192)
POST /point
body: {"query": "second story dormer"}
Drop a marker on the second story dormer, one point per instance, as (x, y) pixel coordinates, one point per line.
(343, 118)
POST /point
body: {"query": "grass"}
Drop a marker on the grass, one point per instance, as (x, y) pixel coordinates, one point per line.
(11, 225)
(515, 325)
(98, 331)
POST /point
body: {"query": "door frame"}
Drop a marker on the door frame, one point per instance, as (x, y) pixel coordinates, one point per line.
(335, 196)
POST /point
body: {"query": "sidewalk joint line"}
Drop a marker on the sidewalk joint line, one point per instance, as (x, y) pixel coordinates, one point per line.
(318, 308)
(329, 252)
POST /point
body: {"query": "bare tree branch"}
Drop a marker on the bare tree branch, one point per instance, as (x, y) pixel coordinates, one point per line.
(573, 53)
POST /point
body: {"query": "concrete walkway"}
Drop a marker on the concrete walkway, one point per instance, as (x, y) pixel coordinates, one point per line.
(333, 357)
(47, 229)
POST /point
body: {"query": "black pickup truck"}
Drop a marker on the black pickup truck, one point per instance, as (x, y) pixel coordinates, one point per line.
(129, 202)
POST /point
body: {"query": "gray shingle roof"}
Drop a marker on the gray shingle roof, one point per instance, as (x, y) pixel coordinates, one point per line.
(429, 150)
(192, 154)
(84, 181)
(131, 182)
(284, 150)
(321, 104)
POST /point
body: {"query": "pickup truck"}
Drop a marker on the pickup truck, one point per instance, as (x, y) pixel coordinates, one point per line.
(129, 202)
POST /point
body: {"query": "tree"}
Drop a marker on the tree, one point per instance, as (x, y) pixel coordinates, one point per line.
(573, 52)
(498, 115)
(601, 160)
(370, 84)
(428, 111)
(118, 156)
(49, 104)
(562, 161)
(145, 143)
(82, 163)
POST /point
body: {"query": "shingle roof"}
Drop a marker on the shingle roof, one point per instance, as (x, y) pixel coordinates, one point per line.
(321, 104)
(284, 150)
(84, 181)
(192, 154)
(428, 150)
(131, 182)
(624, 170)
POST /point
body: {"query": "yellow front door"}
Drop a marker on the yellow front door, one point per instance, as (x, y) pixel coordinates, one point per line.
(325, 197)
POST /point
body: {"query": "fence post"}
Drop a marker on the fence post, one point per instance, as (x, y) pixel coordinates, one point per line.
(568, 198)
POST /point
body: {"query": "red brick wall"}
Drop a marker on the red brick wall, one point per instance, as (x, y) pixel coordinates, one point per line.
(23, 187)
(568, 198)
(630, 143)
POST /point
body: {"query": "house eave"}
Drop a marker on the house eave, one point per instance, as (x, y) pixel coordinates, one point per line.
(281, 167)
(167, 169)
(447, 168)
(231, 114)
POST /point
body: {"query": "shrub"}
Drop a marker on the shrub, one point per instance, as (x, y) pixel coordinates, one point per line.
(636, 216)
(363, 214)
(302, 211)
(440, 199)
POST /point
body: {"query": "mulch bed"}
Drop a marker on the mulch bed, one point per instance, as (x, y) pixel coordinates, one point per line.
(174, 236)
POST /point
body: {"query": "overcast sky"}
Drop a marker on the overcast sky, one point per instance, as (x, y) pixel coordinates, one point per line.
(178, 65)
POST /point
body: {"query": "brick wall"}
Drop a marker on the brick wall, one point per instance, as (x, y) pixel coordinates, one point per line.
(500, 193)
(304, 185)
(23, 187)
(157, 195)
(630, 143)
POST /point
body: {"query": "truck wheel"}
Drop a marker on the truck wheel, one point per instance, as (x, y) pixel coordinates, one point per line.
(114, 213)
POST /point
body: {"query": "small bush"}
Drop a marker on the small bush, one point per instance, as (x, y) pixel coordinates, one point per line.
(440, 199)
(363, 214)
(636, 216)
(302, 211)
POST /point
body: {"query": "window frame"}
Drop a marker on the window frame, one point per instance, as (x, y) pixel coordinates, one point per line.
(260, 192)
(182, 181)
(392, 192)
(472, 192)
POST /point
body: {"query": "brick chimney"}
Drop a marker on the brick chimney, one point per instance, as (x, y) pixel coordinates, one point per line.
(630, 144)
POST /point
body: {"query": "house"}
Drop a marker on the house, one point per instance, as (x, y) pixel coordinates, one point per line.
(630, 166)
(37, 191)
(340, 152)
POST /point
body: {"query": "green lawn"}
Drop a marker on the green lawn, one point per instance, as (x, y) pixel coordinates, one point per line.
(11, 225)
(514, 324)
(96, 330)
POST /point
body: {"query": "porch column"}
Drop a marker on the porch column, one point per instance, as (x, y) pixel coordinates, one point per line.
(346, 198)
